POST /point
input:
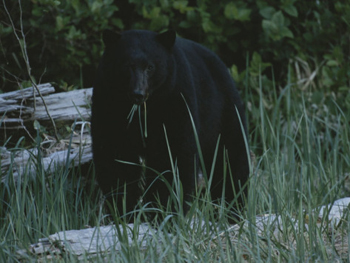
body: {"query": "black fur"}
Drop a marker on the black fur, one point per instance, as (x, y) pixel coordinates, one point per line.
(140, 66)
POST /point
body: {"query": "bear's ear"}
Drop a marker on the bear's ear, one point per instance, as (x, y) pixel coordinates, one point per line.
(110, 37)
(167, 38)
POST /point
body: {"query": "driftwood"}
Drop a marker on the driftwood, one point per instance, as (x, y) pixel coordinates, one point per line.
(90, 242)
(17, 115)
(100, 241)
(17, 108)
(26, 161)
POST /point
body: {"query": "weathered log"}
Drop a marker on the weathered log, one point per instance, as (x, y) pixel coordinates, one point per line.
(99, 241)
(26, 161)
(27, 92)
(18, 113)
(18, 110)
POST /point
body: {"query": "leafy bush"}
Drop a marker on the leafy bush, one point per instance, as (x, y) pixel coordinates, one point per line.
(63, 38)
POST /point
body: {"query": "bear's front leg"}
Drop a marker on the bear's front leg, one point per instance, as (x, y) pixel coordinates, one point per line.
(119, 177)
(162, 186)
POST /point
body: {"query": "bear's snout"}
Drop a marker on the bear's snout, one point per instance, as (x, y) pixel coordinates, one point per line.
(138, 97)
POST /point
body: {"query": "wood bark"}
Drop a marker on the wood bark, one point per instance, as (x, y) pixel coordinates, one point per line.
(18, 112)
(17, 108)
(103, 240)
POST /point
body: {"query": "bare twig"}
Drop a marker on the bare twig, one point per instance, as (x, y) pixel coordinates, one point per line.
(26, 60)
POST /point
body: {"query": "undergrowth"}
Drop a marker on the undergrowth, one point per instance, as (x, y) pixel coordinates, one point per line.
(302, 162)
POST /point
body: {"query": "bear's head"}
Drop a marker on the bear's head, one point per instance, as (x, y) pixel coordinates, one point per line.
(136, 62)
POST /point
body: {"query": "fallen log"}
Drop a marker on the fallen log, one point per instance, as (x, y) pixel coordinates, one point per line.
(19, 109)
(101, 241)
(26, 161)
(18, 112)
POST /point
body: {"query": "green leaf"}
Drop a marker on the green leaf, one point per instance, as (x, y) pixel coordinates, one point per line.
(328, 56)
(257, 65)
(185, 24)
(37, 12)
(206, 25)
(291, 10)
(235, 73)
(278, 18)
(332, 63)
(36, 125)
(327, 77)
(256, 58)
(181, 6)
(145, 12)
(192, 16)
(285, 32)
(267, 12)
(96, 7)
(110, 2)
(59, 23)
(155, 12)
(76, 5)
(231, 11)
(275, 28)
(159, 22)
(243, 14)
(164, 4)
(117, 22)
(270, 27)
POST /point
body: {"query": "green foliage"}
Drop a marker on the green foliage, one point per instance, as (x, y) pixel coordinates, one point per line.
(276, 27)
(63, 38)
(240, 14)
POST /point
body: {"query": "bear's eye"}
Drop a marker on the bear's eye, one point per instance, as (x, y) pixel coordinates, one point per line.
(150, 67)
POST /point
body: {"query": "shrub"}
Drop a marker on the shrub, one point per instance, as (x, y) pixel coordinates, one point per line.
(63, 39)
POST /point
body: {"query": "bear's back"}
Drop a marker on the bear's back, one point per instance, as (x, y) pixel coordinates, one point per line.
(199, 56)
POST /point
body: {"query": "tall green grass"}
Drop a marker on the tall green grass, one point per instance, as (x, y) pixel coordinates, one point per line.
(38, 205)
(302, 162)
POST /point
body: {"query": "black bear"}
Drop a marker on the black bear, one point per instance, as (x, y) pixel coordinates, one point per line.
(169, 78)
